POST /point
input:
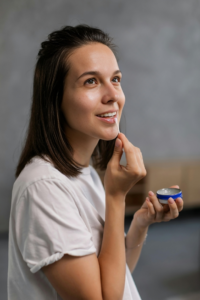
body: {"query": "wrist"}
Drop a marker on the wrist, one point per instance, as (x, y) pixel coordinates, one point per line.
(136, 235)
(138, 245)
(118, 198)
(141, 228)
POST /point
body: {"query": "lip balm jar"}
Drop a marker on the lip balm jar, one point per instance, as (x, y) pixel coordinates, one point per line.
(164, 194)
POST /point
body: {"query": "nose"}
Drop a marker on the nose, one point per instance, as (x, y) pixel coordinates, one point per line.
(110, 94)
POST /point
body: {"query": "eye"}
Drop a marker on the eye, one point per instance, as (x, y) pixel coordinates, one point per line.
(116, 79)
(91, 81)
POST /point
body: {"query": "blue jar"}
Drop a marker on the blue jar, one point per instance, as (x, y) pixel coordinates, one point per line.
(164, 194)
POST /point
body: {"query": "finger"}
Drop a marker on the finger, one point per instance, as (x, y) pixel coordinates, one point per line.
(165, 208)
(157, 206)
(130, 152)
(117, 154)
(173, 208)
(140, 161)
(174, 187)
(167, 217)
(179, 203)
(144, 205)
(151, 210)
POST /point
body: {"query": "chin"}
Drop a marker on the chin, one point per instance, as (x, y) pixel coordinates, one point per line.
(110, 136)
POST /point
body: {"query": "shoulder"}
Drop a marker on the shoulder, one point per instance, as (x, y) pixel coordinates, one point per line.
(36, 171)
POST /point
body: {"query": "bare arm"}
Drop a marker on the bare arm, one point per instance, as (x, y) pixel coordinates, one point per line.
(134, 242)
(112, 258)
(89, 277)
(100, 278)
(152, 211)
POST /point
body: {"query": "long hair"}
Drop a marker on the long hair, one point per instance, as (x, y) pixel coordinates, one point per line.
(45, 135)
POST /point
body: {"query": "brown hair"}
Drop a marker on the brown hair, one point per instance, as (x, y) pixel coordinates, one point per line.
(45, 134)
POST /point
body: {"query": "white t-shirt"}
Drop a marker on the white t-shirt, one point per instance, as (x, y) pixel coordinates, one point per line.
(52, 215)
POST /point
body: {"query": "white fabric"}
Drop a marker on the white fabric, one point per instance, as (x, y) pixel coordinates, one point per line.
(51, 215)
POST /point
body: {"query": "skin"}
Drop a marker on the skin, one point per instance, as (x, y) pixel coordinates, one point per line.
(85, 97)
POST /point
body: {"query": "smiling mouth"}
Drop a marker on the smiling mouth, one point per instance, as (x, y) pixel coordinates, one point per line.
(106, 117)
(108, 120)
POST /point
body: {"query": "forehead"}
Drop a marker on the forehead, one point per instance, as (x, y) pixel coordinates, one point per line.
(92, 57)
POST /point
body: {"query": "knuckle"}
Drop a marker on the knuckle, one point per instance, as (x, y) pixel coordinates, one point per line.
(141, 173)
(137, 176)
(141, 176)
(137, 149)
(130, 145)
(176, 215)
(130, 149)
(144, 173)
(135, 172)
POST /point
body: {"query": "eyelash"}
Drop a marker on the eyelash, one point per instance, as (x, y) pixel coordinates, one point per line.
(119, 78)
(87, 81)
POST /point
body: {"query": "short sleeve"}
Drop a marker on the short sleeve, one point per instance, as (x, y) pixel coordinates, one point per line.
(49, 225)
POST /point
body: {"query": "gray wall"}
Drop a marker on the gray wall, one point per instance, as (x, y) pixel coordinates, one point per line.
(159, 51)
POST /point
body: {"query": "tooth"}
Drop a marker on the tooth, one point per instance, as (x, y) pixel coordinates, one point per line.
(108, 115)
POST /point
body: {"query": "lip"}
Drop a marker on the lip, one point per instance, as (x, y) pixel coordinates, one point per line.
(106, 112)
(111, 120)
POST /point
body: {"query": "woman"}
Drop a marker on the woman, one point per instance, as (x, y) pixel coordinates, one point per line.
(66, 232)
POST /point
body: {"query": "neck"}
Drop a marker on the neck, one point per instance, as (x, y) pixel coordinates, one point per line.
(83, 146)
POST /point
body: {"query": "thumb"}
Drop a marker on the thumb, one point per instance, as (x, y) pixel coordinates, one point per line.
(118, 144)
(117, 154)
(118, 149)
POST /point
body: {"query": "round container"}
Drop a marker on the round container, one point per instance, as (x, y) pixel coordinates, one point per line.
(164, 194)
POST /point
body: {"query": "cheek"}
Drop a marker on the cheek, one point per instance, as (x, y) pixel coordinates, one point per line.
(78, 106)
(122, 100)
(121, 103)
(84, 104)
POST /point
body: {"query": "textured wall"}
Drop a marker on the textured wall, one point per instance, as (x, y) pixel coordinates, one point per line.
(159, 51)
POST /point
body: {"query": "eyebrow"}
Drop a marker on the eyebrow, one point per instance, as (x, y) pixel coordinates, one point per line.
(95, 73)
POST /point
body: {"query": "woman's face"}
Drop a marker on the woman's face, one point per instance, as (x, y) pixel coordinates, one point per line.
(92, 87)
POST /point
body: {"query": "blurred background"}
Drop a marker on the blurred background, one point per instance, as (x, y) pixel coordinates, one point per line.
(159, 55)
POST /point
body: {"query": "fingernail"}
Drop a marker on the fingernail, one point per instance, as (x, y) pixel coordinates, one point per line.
(171, 200)
(147, 199)
(151, 193)
(179, 200)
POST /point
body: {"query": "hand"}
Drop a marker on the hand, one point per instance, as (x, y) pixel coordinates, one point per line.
(152, 211)
(118, 180)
